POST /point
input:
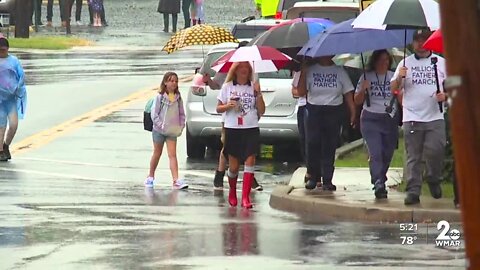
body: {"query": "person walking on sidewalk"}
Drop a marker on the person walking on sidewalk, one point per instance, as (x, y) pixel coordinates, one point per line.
(327, 86)
(50, 12)
(379, 128)
(97, 8)
(301, 118)
(423, 122)
(168, 117)
(186, 12)
(167, 7)
(13, 97)
(242, 102)
(196, 12)
(216, 84)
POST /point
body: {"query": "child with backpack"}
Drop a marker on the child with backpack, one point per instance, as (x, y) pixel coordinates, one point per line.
(168, 121)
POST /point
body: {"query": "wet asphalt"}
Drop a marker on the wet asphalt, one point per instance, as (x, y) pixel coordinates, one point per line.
(79, 201)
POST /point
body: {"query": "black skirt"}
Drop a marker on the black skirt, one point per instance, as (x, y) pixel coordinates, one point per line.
(241, 143)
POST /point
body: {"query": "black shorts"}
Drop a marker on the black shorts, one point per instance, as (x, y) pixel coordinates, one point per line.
(241, 143)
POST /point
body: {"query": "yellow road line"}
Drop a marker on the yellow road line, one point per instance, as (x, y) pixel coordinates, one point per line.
(44, 137)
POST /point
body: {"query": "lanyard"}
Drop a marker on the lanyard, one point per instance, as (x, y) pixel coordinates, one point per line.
(382, 88)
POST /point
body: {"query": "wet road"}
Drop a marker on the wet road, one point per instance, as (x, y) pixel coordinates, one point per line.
(79, 202)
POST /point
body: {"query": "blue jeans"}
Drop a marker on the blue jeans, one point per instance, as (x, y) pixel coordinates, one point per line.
(160, 138)
(380, 132)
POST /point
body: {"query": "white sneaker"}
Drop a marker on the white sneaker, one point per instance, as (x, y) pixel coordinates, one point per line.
(79, 23)
(180, 184)
(149, 182)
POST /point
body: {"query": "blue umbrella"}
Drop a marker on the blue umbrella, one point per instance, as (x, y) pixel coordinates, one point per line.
(343, 38)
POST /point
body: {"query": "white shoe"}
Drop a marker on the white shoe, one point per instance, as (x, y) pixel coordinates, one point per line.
(79, 23)
(149, 182)
(180, 184)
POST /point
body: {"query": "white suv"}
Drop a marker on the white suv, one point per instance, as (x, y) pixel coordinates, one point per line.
(278, 125)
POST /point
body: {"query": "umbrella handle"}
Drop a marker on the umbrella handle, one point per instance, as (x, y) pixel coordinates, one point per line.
(367, 94)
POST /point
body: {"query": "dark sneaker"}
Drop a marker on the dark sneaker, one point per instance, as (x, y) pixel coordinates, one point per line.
(311, 184)
(411, 199)
(435, 190)
(3, 156)
(218, 180)
(6, 150)
(380, 190)
(329, 187)
(256, 185)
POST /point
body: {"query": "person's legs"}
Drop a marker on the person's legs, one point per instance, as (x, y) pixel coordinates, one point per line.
(233, 168)
(186, 12)
(157, 153)
(172, 157)
(102, 16)
(49, 12)
(434, 150)
(165, 22)
(78, 10)
(414, 141)
(248, 175)
(302, 137)
(11, 131)
(174, 22)
(312, 132)
(329, 140)
(389, 142)
(371, 131)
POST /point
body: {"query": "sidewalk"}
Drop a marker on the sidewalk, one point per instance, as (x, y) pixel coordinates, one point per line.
(354, 200)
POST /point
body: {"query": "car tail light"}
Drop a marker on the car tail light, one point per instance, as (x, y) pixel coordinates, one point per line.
(278, 15)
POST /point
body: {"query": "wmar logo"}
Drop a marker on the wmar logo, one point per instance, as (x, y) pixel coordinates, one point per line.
(447, 237)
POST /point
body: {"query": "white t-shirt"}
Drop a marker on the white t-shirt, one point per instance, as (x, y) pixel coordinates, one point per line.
(246, 116)
(302, 101)
(326, 85)
(379, 91)
(419, 94)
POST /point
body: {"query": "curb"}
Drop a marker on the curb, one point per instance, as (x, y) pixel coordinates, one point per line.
(346, 149)
(322, 208)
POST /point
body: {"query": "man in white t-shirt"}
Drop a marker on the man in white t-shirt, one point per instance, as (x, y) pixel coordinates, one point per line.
(424, 124)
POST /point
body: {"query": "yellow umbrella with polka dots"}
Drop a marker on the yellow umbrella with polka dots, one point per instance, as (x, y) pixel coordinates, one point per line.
(200, 34)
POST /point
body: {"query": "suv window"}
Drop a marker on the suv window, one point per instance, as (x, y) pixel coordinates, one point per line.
(335, 16)
(281, 74)
(243, 31)
(289, 3)
(206, 67)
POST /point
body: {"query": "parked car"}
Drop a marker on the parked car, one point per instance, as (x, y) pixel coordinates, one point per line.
(277, 126)
(335, 11)
(250, 27)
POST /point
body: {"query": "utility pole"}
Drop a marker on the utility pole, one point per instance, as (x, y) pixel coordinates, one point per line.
(461, 31)
(22, 18)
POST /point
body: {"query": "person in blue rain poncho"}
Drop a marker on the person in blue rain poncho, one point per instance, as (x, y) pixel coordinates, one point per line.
(13, 97)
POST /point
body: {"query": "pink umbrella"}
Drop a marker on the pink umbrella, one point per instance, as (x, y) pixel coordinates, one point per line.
(262, 59)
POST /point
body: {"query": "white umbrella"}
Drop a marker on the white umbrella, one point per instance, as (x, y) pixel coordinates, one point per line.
(400, 14)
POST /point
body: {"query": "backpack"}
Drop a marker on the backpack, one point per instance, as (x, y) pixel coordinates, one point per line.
(147, 117)
(147, 113)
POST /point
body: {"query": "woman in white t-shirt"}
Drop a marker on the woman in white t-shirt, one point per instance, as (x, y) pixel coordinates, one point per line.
(328, 86)
(242, 102)
(379, 127)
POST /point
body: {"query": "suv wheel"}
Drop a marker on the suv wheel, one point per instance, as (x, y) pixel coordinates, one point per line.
(195, 148)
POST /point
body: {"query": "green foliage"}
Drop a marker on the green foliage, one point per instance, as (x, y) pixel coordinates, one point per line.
(48, 43)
